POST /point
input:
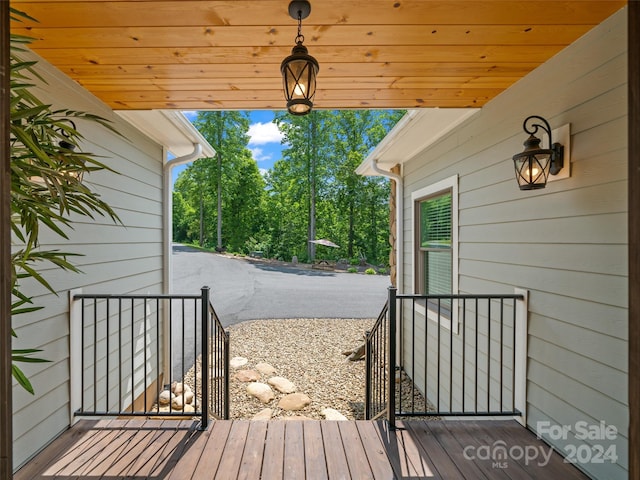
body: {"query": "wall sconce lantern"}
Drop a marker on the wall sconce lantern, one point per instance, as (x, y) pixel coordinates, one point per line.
(299, 70)
(65, 143)
(534, 165)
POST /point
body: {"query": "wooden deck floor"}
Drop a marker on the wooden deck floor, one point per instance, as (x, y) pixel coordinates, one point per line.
(314, 450)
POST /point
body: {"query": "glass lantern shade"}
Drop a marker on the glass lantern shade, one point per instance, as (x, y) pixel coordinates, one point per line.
(299, 71)
(532, 165)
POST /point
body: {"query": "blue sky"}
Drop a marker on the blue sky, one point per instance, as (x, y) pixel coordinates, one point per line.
(264, 143)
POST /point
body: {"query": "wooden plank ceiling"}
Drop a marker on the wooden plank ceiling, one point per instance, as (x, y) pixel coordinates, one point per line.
(214, 54)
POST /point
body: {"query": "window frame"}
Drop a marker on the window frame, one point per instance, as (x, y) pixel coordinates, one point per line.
(449, 184)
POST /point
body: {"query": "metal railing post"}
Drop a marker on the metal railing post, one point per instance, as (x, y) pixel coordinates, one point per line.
(391, 401)
(226, 374)
(367, 383)
(205, 358)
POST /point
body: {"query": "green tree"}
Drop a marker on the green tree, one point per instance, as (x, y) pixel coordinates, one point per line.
(308, 152)
(362, 200)
(227, 133)
(222, 195)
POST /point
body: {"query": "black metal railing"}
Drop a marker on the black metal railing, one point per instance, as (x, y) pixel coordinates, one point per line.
(457, 356)
(134, 347)
(376, 367)
(216, 362)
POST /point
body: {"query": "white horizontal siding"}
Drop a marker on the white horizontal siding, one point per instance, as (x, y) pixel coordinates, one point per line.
(566, 244)
(118, 258)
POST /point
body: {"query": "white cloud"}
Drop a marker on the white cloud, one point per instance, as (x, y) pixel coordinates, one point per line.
(263, 172)
(259, 155)
(263, 133)
(190, 114)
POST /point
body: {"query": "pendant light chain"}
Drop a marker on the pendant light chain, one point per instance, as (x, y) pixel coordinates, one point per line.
(300, 38)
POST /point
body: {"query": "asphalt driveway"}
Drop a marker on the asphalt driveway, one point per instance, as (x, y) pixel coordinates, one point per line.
(247, 290)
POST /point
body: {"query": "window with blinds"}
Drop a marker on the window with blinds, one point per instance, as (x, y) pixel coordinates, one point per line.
(435, 249)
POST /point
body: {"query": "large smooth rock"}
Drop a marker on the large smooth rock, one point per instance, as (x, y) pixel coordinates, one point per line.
(180, 387)
(187, 397)
(332, 414)
(261, 391)
(237, 362)
(282, 385)
(263, 415)
(294, 401)
(176, 403)
(165, 397)
(247, 376)
(265, 369)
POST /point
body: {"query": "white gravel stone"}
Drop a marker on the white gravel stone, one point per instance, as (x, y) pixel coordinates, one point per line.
(332, 414)
(237, 362)
(165, 397)
(247, 376)
(263, 415)
(282, 385)
(188, 397)
(261, 391)
(265, 369)
(294, 401)
(176, 403)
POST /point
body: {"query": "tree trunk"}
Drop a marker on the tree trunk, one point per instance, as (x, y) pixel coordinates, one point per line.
(312, 191)
(219, 229)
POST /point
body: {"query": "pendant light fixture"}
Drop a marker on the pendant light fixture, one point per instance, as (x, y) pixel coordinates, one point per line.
(299, 70)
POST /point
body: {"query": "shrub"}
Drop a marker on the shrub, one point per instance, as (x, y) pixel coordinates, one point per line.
(370, 271)
(352, 270)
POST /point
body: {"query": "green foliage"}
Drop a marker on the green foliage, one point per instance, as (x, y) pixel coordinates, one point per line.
(370, 271)
(312, 192)
(47, 166)
(229, 218)
(352, 270)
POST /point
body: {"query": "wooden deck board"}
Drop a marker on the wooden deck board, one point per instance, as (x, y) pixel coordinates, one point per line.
(273, 464)
(354, 451)
(251, 464)
(455, 450)
(337, 466)
(274, 450)
(315, 461)
(213, 449)
(431, 447)
(233, 450)
(380, 467)
(294, 450)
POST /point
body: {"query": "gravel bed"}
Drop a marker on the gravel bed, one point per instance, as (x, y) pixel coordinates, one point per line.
(309, 353)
